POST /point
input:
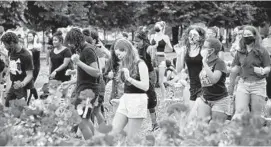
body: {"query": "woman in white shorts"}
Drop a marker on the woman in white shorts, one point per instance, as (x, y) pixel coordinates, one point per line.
(132, 107)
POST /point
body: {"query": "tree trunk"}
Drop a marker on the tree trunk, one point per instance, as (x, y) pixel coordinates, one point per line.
(104, 35)
(181, 32)
(175, 34)
(133, 35)
(43, 41)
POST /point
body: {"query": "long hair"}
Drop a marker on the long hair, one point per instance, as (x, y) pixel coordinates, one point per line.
(27, 41)
(256, 34)
(185, 40)
(131, 59)
(142, 35)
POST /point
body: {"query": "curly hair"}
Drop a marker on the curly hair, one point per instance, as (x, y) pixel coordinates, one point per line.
(88, 38)
(185, 40)
(75, 36)
(95, 35)
(10, 37)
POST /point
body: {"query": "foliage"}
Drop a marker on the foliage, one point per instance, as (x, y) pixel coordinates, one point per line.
(10, 13)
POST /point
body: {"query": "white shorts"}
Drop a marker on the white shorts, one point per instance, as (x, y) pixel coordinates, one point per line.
(133, 105)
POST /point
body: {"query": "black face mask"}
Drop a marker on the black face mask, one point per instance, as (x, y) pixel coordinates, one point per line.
(248, 40)
(157, 30)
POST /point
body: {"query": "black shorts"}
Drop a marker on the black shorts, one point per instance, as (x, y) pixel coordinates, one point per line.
(13, 94)
(195, 93)
(152, 97)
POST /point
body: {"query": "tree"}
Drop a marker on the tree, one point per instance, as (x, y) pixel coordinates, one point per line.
(10, 13)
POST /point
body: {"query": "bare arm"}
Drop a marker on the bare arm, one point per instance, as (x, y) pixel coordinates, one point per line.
(64, 65)
(180, 60)
(234, 72)
(28, 78)
(144, 77)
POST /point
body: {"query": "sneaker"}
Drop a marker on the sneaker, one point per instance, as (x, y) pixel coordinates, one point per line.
(155, 127)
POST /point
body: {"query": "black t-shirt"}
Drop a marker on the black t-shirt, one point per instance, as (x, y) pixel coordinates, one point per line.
(57, 60)
(84, 80)
(20, 63)
(217, 91)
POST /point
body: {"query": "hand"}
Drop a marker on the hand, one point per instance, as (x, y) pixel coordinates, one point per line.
(126, 73)
(259, 70)
(53, 74)
(69, 72)
(18, 84)
(75, 58)
(110, 75)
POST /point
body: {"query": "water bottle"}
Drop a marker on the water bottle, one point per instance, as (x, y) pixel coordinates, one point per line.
(178, 91)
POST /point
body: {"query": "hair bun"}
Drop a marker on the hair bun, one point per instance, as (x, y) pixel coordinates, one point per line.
(86, 32)
(58, 33)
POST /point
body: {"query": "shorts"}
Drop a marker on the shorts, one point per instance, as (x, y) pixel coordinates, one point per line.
(252, 87)
(161, 61)
(221, 105)
(133, 105)
(13, 94)
(152, 97)
(195, 93)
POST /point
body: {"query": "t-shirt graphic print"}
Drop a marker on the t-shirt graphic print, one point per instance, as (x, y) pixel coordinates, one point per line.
(204, 79)
(15, 67)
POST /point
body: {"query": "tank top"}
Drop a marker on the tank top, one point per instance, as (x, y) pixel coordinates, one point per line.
(130, 88)
(194, 66)
(161, 45)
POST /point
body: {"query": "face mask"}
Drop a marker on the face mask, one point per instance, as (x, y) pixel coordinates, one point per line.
(194, 39)
(248, 40)
(157, 29)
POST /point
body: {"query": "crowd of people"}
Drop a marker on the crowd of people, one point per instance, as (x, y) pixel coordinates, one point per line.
(135, 67)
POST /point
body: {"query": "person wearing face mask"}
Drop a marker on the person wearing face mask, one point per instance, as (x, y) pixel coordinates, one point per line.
(214, 101)
(252, 61)
(161, 44)
(212, 32)
(20, 68)
(188, 52)
(60, 59)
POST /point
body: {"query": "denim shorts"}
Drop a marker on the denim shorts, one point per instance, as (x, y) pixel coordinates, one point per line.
(252, 87)
(221, 105)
